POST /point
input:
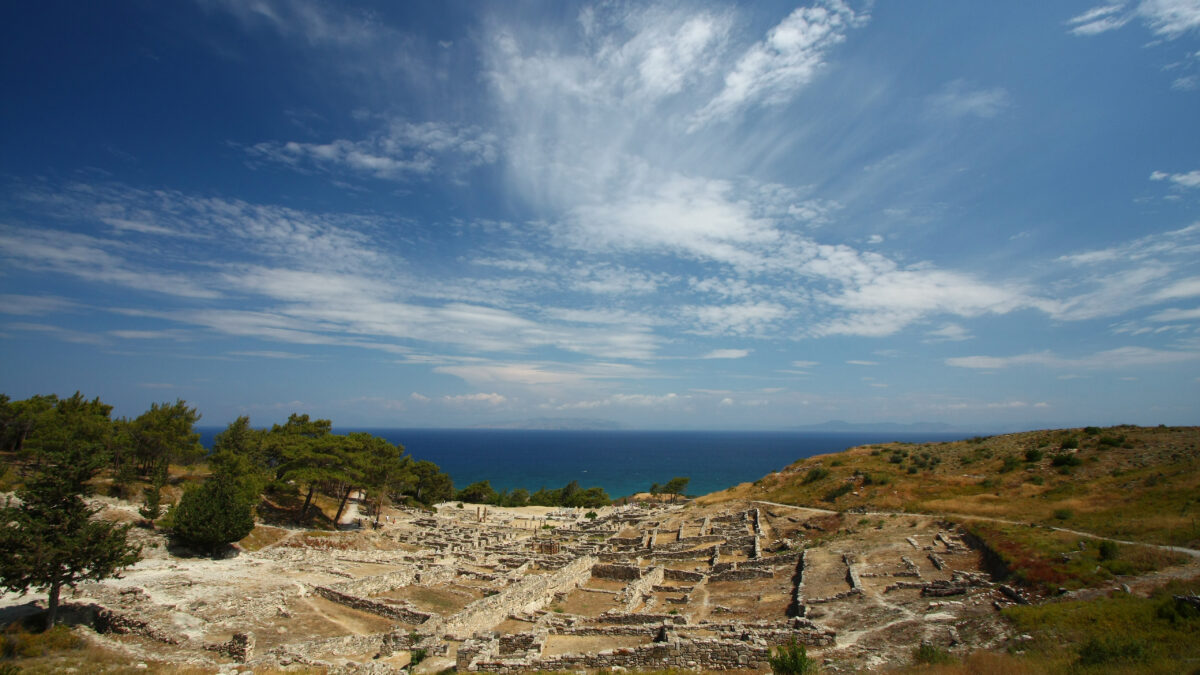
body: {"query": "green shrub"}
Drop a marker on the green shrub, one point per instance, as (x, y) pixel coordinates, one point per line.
(1034, 456)
(930, 655)
(838, 491)
(1065, 459)
(1109, 550)
(1112, 441)
(912, 469)
(1091, 431)
(836, 462)
(1103, 651)
(212, 515)
(1063, 514)
(896, 458)
(876, 479)
(791, 659)
(815, 474)
(1010, 464)
(1069, 443)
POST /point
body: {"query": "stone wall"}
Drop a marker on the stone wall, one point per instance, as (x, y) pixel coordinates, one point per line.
(398, 610)
(617, 572)
(709, 654)
(634, 592)
(529, 594)
(682, 575)
(742, 574)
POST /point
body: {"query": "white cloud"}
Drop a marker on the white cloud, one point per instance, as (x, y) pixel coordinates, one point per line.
(1099, 19)
(1176, 315)
(1168, 19)
(420, 398)
(856, 362)
(487, 399)
(805, 364)
(402, 150)
(727, 354)
(33, 304)
(771, 71)
(950, 332)
(1190, 179)
(626, 400)
(1121, 357)
(960, 99)
(743, 319)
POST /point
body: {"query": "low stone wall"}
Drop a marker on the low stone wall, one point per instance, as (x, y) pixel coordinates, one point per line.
(682, 575)
(399, 611)
(742, 574)
(625, 618)
(709, 654)
(526, 595)
(633, 593)
(616, 572)
(697, 554)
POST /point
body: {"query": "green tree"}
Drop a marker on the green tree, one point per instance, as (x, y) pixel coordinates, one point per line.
(212, 515)
(151, 507)
(304, 453)
(166, 433)
(676, 486)
(49, 539)
(429, 484)
(477, 493)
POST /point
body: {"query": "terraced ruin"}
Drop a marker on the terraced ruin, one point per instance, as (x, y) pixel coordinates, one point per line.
(512, 590)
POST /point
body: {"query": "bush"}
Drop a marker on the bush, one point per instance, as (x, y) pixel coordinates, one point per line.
(1063, 514)
(16, 642)
(838, 491)
(1091, 431)
(1069, 443)
(1112, 441)
(1109, 550)
(876, 479)
(1010, 464)
(815, 474)
(213, 515)
(1101, 651)
(791, 659)
(1034, 456)
(896, 458)
(930, 655)
(1065, 460)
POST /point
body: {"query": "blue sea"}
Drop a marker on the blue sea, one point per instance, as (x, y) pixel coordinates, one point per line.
(621, 462)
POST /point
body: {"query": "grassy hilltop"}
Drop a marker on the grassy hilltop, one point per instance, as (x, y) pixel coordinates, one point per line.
(1135, 483)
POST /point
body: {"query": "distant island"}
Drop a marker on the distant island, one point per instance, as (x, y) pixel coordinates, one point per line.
(554, 424)
(882, 427)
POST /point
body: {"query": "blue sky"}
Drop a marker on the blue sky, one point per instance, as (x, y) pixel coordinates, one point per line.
(675, 215)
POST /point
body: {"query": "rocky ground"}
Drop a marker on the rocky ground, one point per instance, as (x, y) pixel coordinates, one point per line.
(506, 590)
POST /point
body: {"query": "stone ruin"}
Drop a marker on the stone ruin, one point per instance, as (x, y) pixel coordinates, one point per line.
(496, 590)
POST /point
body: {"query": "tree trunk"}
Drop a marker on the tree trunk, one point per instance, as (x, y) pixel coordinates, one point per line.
(342, 507)
(52, 604)
(307, 501)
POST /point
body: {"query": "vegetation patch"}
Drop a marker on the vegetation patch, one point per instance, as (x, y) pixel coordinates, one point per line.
(1122, 633)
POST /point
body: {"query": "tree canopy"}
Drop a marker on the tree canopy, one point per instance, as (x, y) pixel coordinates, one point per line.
(49, 538)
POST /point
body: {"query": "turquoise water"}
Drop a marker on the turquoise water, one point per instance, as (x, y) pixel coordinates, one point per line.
(621, 462)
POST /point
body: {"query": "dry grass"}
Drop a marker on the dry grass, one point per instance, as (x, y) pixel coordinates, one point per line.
(1125, 482)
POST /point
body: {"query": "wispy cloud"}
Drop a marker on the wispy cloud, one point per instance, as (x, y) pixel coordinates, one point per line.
(1168, 19)
(1121, 357)
(401, 151)
(727, 354)
(789, 57)
(1190, 179)
(961, 99)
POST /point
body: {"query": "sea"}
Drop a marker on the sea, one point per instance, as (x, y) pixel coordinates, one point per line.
(622, 462)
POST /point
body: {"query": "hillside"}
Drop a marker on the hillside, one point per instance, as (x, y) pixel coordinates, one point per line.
(1132, 483)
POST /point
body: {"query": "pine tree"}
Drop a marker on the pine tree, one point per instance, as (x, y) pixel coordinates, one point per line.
(213, 515)
(48, 539)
